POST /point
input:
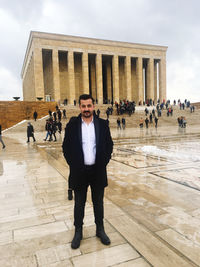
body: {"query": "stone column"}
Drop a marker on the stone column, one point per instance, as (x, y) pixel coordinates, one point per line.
(115, 68)
(85, 73)
(150, 79)
(109, 83)
(38, 71)
(56, 75)
(93, 79)
(139, 75)
(71, 77)
(99, 78)
(162, 79)
(155, 81)
(128, 78)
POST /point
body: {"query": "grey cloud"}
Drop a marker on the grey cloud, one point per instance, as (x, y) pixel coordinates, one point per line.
(174, 23)
(24, 10)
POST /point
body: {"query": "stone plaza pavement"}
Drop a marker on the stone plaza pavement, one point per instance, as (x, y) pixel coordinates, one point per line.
(152, 203)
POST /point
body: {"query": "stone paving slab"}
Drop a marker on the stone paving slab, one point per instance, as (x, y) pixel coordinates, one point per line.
(106, 257)
(151, 221)
(147, 244)
(182, 244)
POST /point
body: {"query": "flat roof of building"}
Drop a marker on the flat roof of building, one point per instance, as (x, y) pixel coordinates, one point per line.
(80, 39)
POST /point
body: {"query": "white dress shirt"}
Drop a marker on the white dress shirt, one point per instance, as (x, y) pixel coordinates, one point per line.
(88, 142)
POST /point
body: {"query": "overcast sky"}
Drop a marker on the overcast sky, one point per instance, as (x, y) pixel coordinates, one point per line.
(173, 23)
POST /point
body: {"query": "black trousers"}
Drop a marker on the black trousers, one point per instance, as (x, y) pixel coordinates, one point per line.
(80, 196)
(32, 137)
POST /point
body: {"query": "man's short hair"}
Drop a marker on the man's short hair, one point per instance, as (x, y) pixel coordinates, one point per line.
(85, 97)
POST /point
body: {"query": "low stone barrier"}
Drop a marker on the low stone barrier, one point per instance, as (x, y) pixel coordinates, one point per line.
(12, 112)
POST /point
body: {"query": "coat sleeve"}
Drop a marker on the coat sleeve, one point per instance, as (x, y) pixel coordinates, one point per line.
(66, 146)
(109, 144)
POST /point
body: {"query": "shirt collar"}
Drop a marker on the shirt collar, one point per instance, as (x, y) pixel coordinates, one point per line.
(92, 121)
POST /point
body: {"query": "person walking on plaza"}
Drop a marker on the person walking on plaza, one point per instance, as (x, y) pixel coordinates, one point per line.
(1, 140)
(156, 121)
(35, 115)
(150, 118)
(47, 129)
(30, 132)
(98, 112)
(55, 116)
(107, 113)
(59, 124)
(64, 114)
(59, 114)
(118, 123)
(53, 130)
(147, 122)
(141, 122)
(87, 148)
(123, 123)
(184, 122)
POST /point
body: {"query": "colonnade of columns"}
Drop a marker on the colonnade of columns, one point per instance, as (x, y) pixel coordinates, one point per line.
(139, 84)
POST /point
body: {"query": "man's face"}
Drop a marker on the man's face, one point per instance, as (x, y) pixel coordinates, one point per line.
(86, 107)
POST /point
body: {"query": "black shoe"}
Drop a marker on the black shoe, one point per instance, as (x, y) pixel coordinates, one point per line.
(3, 146)
(77, 238)
(70, 195)
(102, 235)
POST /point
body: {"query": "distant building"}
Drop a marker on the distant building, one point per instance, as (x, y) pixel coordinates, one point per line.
(58, 67)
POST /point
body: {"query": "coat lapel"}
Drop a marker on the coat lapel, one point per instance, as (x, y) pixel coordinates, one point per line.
(96, 126)
(79, 130)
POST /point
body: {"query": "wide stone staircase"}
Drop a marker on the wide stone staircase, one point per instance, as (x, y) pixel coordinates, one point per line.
(134, 119)
(131, 121)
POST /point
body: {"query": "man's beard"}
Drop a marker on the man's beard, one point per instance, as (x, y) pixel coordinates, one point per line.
(87, 114)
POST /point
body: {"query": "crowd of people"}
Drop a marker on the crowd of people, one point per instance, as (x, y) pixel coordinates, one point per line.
(52, 126)
(152, 112)
(182, 122)
(125, 106)
(148, 120)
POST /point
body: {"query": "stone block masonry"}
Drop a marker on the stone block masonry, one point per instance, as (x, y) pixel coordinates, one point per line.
(12, 112)
(60, 67)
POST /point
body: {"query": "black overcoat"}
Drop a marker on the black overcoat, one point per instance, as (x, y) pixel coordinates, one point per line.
(30, 130)
(73, 152)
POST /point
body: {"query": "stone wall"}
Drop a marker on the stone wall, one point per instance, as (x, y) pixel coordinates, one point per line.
(12, 112)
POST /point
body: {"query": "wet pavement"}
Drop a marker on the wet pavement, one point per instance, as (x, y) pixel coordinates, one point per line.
(152, 203)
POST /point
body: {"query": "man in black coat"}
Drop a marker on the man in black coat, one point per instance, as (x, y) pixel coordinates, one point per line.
(35, 115)
(87, 148)
(30, 132)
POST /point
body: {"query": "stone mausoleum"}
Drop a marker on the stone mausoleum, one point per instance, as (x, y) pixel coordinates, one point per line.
(59, 67)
